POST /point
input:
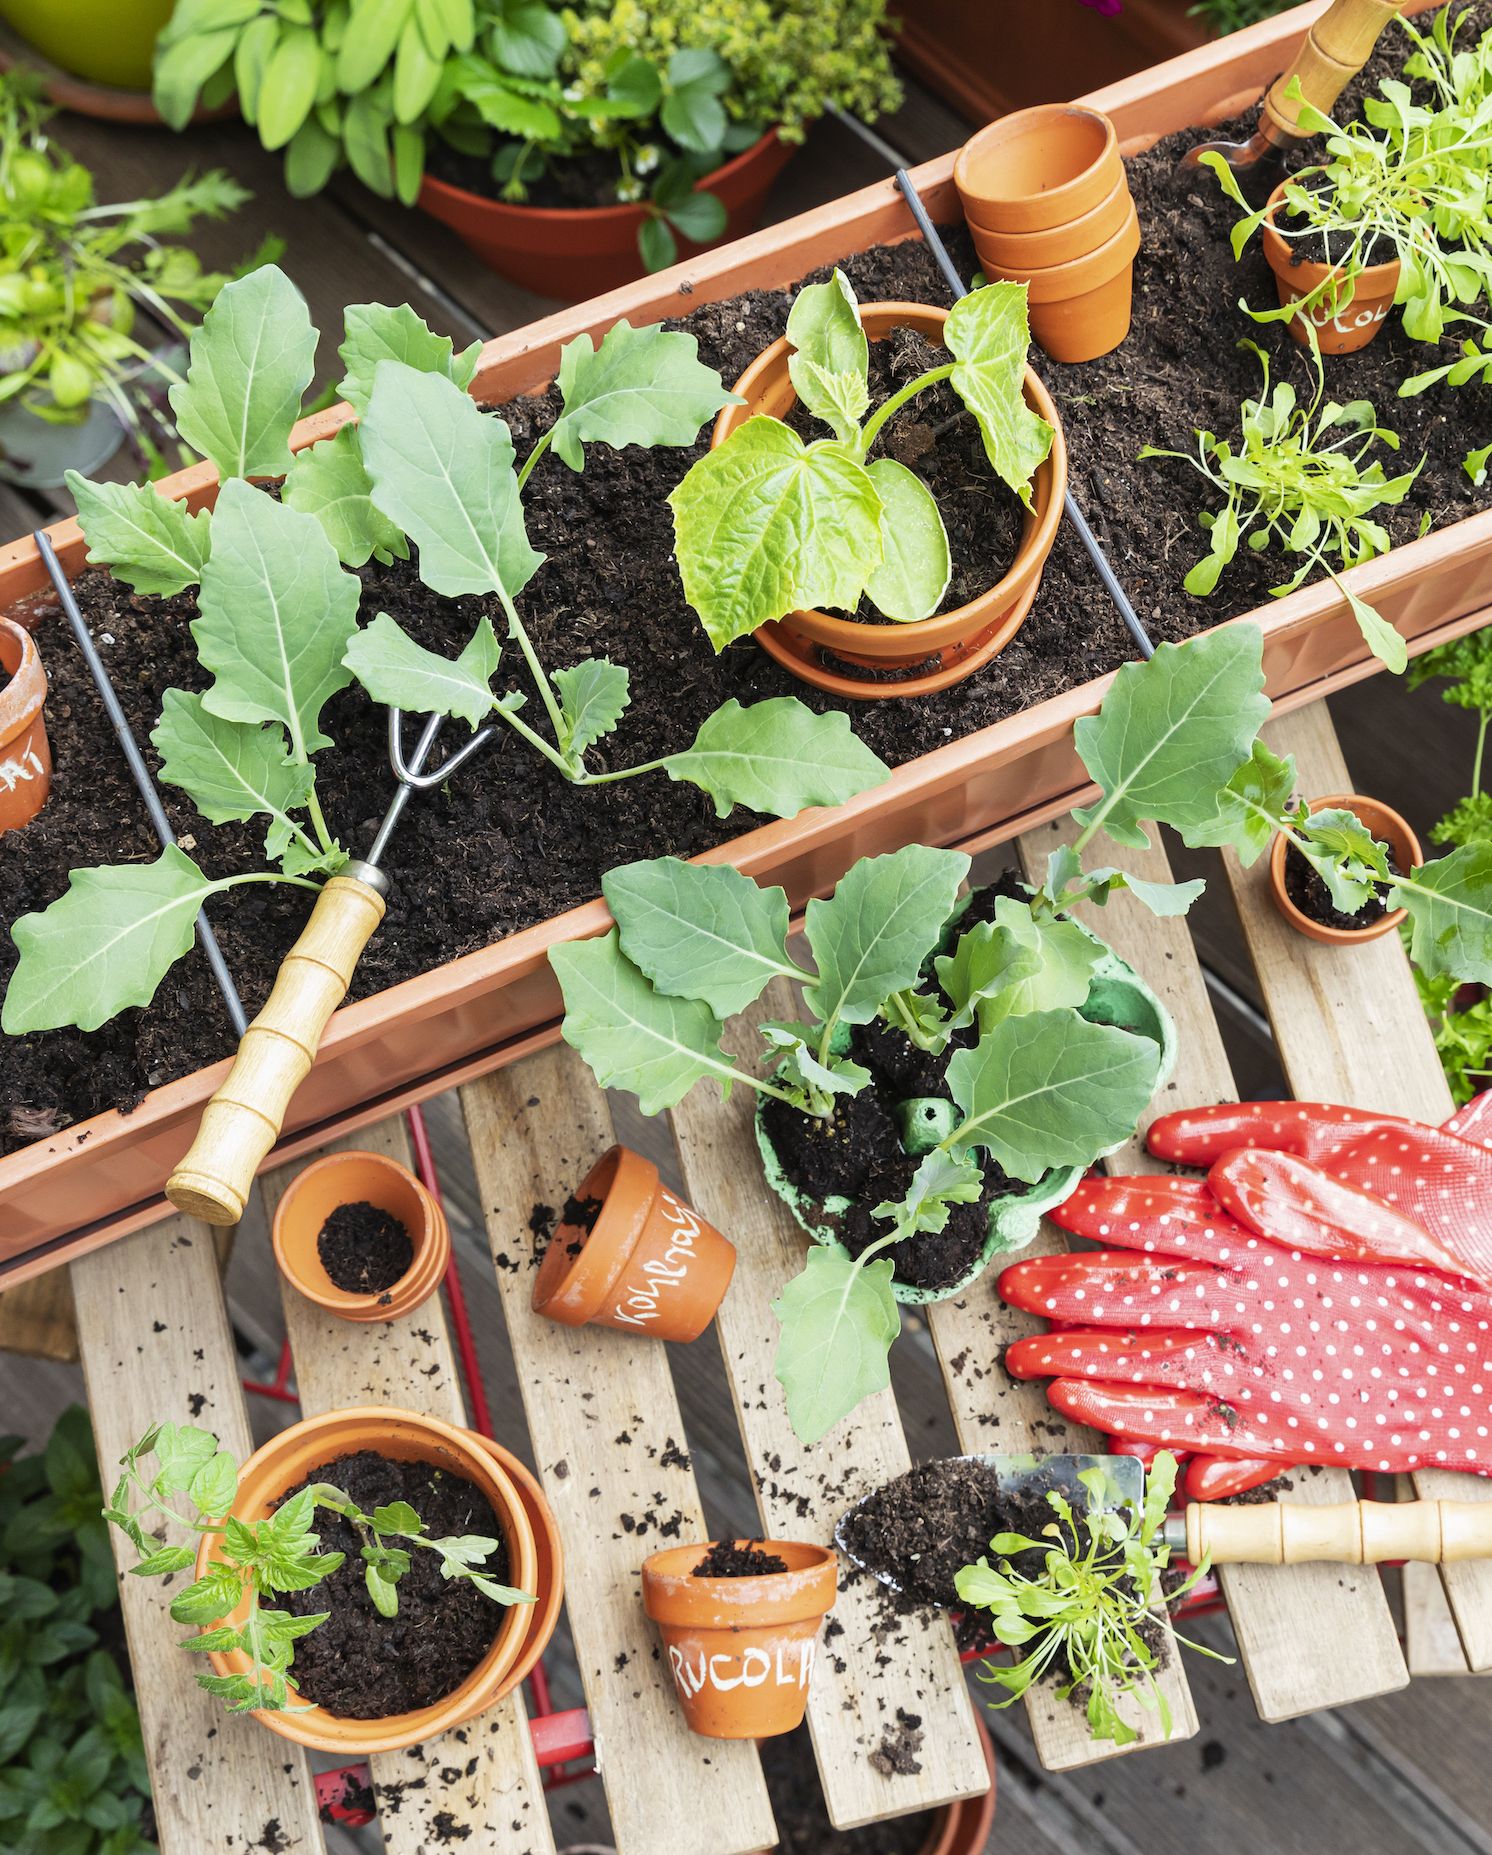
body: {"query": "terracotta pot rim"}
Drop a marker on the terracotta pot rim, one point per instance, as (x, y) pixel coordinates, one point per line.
(1386, 824)
(1049, 206)
(545, 1613)
(1023, 252)
(1374, 281)
(25, 690)
(672, 1594)
(1058, 283)
(574, 1289)
(432, 1244)
(977, 221)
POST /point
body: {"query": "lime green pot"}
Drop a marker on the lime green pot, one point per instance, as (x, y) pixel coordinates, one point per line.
(105, 41)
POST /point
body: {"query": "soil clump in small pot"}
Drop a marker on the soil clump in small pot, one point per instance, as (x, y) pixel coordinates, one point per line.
(579, 1216)
(364, 1249)
(729, 1558)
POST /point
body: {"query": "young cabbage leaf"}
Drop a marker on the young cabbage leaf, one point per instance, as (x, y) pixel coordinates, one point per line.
(776, 757)
(231, 770)
(838, 1320)
(374, 333)
(151, 542)
(644, 386)
(328, 480)
(394, 670)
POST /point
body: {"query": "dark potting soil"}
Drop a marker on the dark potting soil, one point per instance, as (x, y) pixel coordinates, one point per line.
(729, 1558)
(508, 843)
(803, 1826)
(584, 180)
(361, 1665)
(364, 1249)
(579, 1215)
(1311, 896)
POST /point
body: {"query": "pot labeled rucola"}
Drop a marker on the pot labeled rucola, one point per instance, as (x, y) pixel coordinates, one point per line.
(25, 755)
(739, 1621)
(1331, 866)
(628, 1254)
(338, 1206)
(1344, 309)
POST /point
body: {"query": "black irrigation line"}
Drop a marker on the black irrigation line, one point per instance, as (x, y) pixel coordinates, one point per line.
(139, 772)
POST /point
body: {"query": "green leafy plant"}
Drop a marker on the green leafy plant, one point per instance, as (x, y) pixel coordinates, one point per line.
(72, 1768)
(277, 625)
(1225, 16)
(765, 524)
(1083, 1601)
(1296, 479)
(191, 1482)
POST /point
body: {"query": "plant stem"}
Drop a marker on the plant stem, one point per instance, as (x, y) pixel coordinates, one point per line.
(890, 407)
(533, 457)
(536, 669)
(1483, 717)
(232, 882)
(535, 739)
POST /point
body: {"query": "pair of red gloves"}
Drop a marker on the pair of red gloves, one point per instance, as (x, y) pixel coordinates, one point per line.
(1324, 1295)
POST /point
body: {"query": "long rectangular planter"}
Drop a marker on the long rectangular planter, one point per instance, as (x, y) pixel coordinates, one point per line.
(104, 1176)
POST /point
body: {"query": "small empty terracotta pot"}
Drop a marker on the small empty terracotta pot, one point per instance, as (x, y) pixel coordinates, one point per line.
(360, 1178)
(1081, 309)
(1020, 252)
(1389, 828)
(642, 1261)
(1038, 168)
(741, 1649)
(25, 757)
(1339, 330)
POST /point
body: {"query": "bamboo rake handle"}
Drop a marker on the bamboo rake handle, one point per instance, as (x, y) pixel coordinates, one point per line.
(1336, 48)
(243, 1120)
(1347, 1533)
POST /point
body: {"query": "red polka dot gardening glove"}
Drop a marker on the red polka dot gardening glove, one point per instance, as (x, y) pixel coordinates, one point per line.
(1324, 1295)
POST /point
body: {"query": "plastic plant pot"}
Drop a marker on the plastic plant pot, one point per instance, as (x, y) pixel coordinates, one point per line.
(931, 653)
(36, 454)
(741, 1650)
(648, 1265)
(1338, 331)
(25, 755)
(360, 1178)
(1080, 309)
(1389, 828)
(1038, 168)
(105, 41)
(535, 1560)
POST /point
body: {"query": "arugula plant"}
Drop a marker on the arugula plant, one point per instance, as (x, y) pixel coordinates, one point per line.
(1083, 1599)
(277, 610)
(1296, 479)
(178, 1474)
(765, 524)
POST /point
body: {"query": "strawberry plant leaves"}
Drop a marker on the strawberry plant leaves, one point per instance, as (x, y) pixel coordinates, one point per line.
(443, 470)
(871, 937)
(526, 37)
(700, 931)
(838, 1321)
(152, 543)
(104, 944)
(1450, 914)
(230, 770)
(1172, 731)
(988, 334)
(776, 757)
(1050, 1089)
(830, 363)
(251, 361)
(644, 386)
(276, 612)
(765, 525)
(394, 670)
(374, 333)
(593, 698)
(916, 565)
(328, 480)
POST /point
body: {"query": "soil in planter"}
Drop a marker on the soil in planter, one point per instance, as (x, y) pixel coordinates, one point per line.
(583, 180)
(729, 1558)
(360, 1665)
(364, 1249)
(803, 1826)
(1311, 896)
(510, 843)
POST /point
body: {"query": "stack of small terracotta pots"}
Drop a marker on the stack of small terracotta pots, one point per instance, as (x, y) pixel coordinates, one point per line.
(349, 1178)
(1047, 202)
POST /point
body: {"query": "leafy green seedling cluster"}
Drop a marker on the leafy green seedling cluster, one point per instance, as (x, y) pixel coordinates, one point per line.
(277, 601)
(766, 524)
(193, 1483)
(1091, 1608)
(1296, 480)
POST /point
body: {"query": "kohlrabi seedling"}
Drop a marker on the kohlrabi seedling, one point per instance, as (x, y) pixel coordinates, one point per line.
(766, 524)
(193, 1483)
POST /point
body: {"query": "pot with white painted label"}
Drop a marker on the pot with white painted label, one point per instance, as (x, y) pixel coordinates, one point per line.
(25, 757)
(741, 1646)
(628, 1254)
(1347, 318)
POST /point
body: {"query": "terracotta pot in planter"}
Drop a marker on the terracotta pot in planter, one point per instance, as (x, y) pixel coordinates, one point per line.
(1039, 168)
(648, 1265)
(536, 1562)
(741, 1649)
(25, 755)
(360, 1178)
(1338, 331)
(1389, 828)
(572, 252)
(949, 646)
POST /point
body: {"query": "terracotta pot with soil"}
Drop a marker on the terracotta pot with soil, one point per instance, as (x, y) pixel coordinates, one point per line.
(25, 756)
(1341, 327)
(930, 654)
(628, 1254)
(358, 1234)
(740, 1621)
(1302, 897)
(381, 1684)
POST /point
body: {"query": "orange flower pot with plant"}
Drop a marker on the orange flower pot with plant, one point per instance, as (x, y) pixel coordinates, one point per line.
(1306, 894)
(25, 756)
(348, 1182)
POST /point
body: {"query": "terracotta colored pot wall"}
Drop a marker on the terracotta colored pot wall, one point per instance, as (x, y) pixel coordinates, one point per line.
(360, 1178)
(25, 755)
(1389, 828)
(1347, 329)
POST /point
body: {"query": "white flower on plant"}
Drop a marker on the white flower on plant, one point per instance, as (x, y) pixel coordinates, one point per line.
(573, 93)
(628, 189)
(647, 158)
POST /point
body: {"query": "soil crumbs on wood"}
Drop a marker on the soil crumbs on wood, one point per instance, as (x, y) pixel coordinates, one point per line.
(610, 588)
(360, 1665)
(803, 1826)
(364, 1249)
(729, 1558)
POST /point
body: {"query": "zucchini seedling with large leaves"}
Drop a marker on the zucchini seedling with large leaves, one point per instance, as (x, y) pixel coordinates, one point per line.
(277, 630)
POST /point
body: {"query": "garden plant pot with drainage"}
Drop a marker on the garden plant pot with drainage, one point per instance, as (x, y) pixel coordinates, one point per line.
(25, 757)
(1405, 854)
(343, 1183)
(930, 654)
(628, 1254)
(1341, 328)
(741, 1646)
(535, 1562)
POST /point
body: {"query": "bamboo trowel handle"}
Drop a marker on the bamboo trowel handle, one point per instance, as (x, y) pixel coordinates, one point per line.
(1348, 1533)
(1335, 49)
(243, 1120)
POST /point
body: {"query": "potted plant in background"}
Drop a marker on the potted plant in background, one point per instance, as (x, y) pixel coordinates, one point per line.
(108, 42)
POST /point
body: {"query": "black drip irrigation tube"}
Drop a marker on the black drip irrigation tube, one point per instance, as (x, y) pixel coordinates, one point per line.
(1073, 513)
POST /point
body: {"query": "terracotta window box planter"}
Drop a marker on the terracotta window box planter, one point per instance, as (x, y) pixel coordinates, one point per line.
(97, 1179)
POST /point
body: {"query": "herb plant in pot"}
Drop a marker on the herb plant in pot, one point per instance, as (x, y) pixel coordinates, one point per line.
(1332, 867)
(359, 1235)
(367, 1580)
(769, 527)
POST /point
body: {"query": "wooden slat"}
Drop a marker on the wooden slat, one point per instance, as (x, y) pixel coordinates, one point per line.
(858, 1689)
(494, 1795)
(37, 1318)
(610, 1442)
(156, 1347)
(1350, 1029)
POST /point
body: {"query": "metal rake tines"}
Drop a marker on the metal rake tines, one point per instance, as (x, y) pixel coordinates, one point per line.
(413, 774)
